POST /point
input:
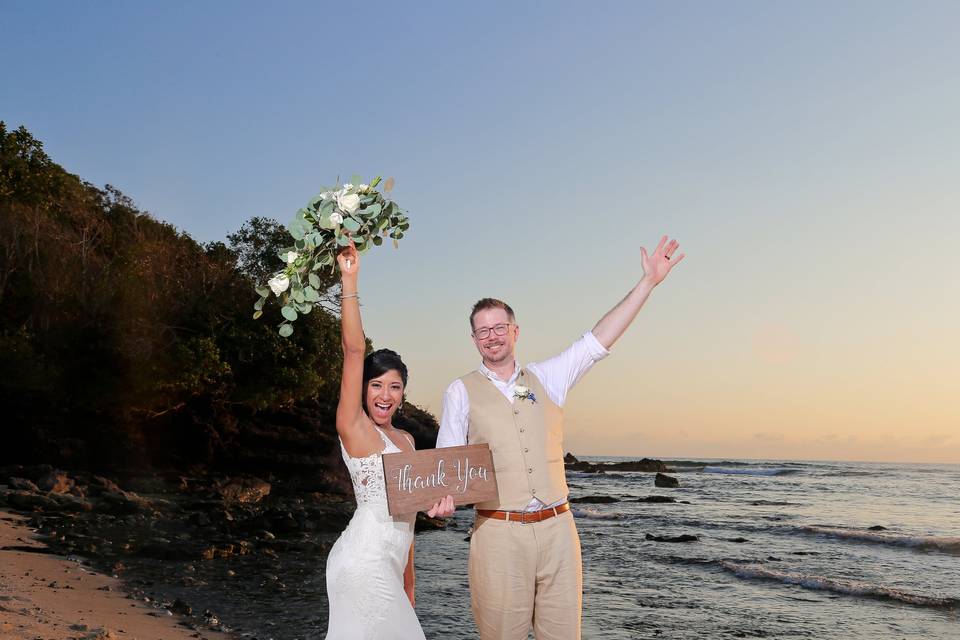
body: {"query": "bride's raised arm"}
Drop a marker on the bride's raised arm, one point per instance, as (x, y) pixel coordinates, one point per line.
(350, 416)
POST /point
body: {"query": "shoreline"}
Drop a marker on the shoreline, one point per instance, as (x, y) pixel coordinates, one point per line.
(43, 595)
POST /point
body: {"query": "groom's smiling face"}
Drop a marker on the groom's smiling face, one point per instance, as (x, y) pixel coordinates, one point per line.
(494, 349)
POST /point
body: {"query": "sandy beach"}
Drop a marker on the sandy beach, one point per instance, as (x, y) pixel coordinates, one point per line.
(50, 597)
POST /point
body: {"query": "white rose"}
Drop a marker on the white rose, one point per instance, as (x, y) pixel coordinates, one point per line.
(348, 203)
(292, 256)
(279, 283)
(363, 188)
(336, 218)
(520, 390)
(327, 195)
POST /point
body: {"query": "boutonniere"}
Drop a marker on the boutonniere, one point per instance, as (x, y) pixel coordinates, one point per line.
(523, 393)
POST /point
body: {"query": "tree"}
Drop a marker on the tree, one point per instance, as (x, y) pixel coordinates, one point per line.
(257, 245)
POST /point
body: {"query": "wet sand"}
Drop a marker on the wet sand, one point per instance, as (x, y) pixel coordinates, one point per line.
(49, 597)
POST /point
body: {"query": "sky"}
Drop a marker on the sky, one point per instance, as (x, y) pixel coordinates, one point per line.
(806, 156)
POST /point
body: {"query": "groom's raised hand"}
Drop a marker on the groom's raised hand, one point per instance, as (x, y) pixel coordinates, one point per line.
(442, 509)
(657, 265)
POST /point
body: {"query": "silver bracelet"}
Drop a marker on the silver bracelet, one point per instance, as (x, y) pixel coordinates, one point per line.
(355, 294)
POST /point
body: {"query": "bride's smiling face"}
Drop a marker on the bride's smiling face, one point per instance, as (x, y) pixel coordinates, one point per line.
(384, 397)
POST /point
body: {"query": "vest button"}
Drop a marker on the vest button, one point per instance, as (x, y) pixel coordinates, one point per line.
(521, 429)
(533, 490)
(526, 450)
(530, 470)
(516, 411)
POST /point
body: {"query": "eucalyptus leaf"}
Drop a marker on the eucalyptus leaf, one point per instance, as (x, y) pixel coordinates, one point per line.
(295, 229)
(343, 241)
(306, 308)
(377, 240)
(351, 224)
(285, 330)
(262, 291)
(259, 304)
(314, 281)
(374, 209)
(257, 314)
(289, 313)
(311, 294)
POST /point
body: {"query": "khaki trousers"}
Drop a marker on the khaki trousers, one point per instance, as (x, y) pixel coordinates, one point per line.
(526, 574)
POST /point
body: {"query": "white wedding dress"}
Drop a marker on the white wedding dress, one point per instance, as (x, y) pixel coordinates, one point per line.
(365, 566)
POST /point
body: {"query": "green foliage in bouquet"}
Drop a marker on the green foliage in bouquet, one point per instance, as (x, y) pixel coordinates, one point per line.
(353, 211)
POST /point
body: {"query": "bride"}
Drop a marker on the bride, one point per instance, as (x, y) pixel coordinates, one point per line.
(370, 573)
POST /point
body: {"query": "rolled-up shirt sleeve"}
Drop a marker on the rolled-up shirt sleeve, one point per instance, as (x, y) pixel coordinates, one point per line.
(559, 373)
(454, 421)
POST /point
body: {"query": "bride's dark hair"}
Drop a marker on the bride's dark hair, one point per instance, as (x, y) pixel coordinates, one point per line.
(378, 363)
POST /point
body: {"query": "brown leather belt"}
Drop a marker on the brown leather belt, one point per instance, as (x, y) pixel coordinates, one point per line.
(525, 517)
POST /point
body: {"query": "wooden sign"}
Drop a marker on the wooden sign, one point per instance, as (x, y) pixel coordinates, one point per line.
(417, 480)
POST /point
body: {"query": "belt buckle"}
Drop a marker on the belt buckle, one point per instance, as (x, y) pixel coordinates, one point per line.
(523, 517)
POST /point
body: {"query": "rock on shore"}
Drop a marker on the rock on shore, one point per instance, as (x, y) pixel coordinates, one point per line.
(664, 481)
(571, 463)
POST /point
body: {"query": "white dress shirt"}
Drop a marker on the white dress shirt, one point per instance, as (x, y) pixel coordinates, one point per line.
(557, 375)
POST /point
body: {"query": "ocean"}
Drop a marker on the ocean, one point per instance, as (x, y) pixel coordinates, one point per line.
(784, 549)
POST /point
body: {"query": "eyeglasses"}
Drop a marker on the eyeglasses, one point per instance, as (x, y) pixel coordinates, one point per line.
(484, 333)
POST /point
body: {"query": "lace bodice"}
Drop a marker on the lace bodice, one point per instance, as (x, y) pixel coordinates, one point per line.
(366, 473)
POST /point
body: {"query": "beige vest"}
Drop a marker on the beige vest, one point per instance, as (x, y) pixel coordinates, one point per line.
(526, 439)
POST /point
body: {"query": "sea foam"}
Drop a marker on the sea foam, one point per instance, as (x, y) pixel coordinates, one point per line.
(946, 544)
(845, 587)
(750, 472)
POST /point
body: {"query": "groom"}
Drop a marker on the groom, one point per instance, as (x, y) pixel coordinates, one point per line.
(525, 566)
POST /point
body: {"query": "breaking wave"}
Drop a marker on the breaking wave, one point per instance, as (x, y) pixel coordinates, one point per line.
(844, 587)
(750, 472)
(926, 543)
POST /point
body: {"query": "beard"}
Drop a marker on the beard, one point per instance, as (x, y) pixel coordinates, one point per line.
(504, 354)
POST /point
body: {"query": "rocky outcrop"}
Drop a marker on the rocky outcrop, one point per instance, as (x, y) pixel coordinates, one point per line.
(664, 481)
(59, 482)
(645, 464)
(244, 490)
(27, 501)
(22, 484)
(681, 538)
(594, 500)
(648, 465)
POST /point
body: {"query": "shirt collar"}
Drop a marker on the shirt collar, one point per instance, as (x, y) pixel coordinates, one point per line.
(492, 376)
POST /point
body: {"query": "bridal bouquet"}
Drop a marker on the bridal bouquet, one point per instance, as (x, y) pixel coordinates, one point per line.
(353, 211)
